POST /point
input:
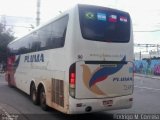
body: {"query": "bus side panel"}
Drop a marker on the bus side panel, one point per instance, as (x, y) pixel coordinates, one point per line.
(48, 71)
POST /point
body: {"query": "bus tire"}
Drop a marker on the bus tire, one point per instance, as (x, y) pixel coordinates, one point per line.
(33, 94)
(43, 99)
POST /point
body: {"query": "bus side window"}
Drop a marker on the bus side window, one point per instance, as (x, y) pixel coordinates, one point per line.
(58, 32)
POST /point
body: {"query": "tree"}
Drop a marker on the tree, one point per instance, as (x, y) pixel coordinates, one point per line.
(6, 36)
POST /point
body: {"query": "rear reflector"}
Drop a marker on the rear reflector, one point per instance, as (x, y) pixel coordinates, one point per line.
(79, 104)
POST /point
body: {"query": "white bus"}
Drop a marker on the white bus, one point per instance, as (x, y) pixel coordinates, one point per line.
(79, 62)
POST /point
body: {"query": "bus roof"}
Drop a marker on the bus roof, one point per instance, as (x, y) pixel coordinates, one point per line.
(59, 16)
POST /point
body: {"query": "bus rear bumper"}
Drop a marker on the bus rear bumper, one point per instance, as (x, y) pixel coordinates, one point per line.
(96, 105)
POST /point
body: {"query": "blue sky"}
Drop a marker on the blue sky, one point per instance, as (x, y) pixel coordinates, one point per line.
(145, 14)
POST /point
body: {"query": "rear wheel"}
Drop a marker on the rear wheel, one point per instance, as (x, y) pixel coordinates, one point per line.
(43, 99)
(33, 94)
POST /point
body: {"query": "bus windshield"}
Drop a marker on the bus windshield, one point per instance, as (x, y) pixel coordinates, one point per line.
(104, 24)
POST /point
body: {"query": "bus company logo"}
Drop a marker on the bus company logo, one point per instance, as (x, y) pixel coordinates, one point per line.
(34, 58)
(100, 74)
(119, 79)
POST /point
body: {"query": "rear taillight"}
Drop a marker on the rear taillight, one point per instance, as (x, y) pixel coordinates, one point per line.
(72, 80)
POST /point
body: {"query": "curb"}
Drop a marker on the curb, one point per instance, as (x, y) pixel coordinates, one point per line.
(4, 115)
(9, 113)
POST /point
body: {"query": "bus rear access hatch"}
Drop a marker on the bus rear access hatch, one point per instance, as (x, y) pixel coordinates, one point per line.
(101, 79)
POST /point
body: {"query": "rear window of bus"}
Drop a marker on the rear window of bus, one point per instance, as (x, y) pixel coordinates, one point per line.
(104, 24)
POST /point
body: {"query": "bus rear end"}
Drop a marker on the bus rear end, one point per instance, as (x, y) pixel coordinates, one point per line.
(101, 76)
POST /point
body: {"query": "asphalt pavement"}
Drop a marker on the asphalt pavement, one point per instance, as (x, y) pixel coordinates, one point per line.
(8, 112)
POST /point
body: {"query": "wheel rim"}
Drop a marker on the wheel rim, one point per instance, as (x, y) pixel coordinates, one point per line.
(43, 99)
(34, 95)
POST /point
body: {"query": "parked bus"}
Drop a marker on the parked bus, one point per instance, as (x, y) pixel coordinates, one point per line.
(79, 62)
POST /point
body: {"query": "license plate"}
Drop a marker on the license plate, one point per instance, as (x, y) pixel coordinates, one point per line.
(108, 102)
